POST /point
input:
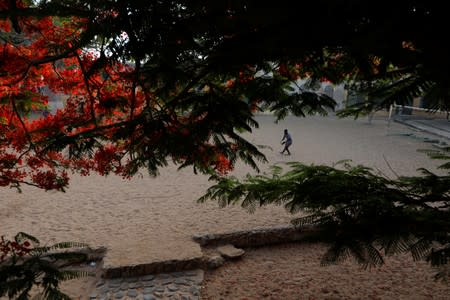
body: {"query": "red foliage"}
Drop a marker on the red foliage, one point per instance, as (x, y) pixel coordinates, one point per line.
(230, 83)
(50, 180)
(223, 165)
(99, 101)
(106, 158)
(290, 71)
(13, 248)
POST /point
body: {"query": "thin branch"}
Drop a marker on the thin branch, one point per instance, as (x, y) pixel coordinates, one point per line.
(133, 88)
(88, 89)
(16, 111)
(16, 182)
(90, 131)
(390, 167)
(40, 62)
(56, 71)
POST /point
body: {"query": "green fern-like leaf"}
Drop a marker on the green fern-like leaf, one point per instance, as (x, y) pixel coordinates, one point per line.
(438, 257)
(335, 254)
(73, 274)
(395, 244)
(58, 246)
(358, 212)
(44, 267)
(22, 236)
(421, 249)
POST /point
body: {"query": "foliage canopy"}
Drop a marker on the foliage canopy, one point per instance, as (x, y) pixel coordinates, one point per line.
(148, 82)
(144, 77)
(25, 264)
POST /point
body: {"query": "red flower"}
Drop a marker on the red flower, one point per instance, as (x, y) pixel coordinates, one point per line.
(229, 84)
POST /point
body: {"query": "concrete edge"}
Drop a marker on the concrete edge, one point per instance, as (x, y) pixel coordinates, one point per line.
(423, 128)
(243, 239)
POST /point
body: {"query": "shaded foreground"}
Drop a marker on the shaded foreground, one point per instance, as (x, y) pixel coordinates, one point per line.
(284, 271)
(292, 271)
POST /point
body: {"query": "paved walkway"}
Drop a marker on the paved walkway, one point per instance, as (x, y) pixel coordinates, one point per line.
(176, 285)
(438, 127)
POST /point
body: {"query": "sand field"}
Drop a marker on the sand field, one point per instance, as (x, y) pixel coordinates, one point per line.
(152, 219)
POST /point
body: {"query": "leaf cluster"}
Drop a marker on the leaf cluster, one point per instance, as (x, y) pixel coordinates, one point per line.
(141, 70)
(361, 214)
(41, 269)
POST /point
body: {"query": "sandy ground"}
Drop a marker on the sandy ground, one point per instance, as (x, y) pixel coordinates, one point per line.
(293, 272)
(152, 219)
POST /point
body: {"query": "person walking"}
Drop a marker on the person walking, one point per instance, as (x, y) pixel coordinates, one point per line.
(286, 141)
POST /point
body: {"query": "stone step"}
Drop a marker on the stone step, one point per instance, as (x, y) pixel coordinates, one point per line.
(153, 268)
(242, 239)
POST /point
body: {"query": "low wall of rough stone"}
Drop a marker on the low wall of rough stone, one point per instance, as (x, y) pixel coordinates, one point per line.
(255, 237)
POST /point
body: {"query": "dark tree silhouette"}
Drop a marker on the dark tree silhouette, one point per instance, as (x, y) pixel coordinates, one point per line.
(150, 82)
